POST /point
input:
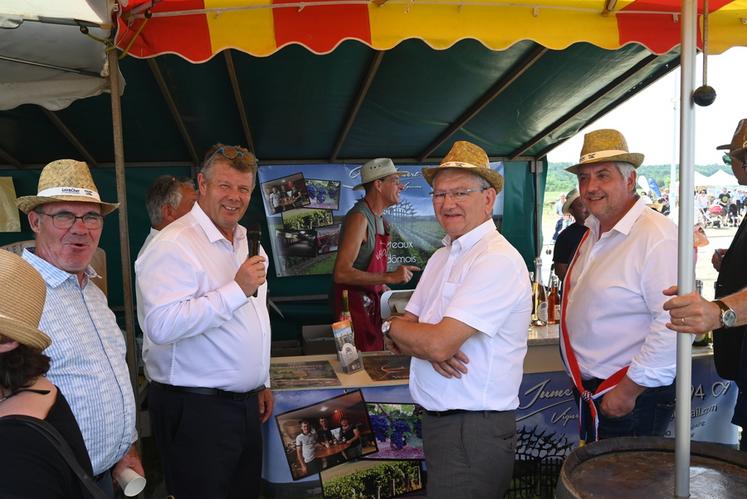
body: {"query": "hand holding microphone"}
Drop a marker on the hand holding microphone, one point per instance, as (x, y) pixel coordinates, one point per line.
(251, 275)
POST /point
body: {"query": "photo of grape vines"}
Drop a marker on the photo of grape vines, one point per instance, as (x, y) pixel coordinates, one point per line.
(372, 479)
(398, 430)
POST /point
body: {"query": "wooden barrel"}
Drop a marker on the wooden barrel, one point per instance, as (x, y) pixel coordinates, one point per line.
(643, 468)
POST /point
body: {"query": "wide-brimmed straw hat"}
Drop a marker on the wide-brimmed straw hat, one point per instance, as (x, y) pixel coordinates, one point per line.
(22, 295)
(467, 156)
(738, 141)
(65, 180)
(604, 146)
(569, 199)
(376, 169)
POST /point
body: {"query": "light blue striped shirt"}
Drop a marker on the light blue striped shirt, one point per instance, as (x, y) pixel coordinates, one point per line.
(88, 362)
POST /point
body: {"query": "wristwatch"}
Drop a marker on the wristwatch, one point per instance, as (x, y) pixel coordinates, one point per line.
(385, 327)
(728, 316)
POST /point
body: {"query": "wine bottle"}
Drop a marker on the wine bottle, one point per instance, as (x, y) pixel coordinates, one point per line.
(705, 339)
(345, 312)
(553, 301)
(539, 295)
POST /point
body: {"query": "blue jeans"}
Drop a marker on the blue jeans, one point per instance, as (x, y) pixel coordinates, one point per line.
(650, 417)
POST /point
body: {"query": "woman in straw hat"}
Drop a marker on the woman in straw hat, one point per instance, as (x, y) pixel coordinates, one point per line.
(30, 467)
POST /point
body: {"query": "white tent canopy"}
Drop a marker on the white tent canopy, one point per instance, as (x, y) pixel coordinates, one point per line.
(45, 59)
(721, 178)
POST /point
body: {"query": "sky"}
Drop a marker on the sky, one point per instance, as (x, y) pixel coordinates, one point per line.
(651, 125)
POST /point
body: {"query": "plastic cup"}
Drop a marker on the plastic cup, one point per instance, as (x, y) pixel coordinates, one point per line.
(131, 482)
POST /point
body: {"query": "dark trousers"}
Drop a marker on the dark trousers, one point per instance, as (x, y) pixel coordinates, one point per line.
(104, 482)
(210, 447)
(470, 454)
(650, 417)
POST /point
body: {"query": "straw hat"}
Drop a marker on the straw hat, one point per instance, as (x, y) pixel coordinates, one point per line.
(738, 141)
(65, 180)
(603, 146)
(22, 294)
(466, 155)
(569, 199)
(376, 169)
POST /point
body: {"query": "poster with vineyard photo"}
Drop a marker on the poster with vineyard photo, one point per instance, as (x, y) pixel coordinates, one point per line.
(373, 479)
(322, 203)
(398, 430)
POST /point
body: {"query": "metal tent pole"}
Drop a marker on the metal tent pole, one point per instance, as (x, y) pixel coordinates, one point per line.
(124, 238)
(685, 263)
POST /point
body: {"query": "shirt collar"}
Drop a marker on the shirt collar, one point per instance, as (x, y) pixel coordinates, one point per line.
(472, 237)
(53, 276)
(211, 231)
(625, 224)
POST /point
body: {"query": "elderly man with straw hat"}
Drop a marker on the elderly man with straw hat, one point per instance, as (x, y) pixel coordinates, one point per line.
(727, 315)
(614, 340)
(88, 349)
(569, 239)
(466, 330)
(362, 257)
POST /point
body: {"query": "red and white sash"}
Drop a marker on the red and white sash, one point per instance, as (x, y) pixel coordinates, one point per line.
(571, 364)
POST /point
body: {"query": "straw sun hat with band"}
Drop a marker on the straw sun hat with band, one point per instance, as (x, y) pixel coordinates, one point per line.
(22, 294)
(605, 146)
(467, 156)
(65, 180)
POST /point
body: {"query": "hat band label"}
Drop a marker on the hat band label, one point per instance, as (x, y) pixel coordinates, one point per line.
(602, 154)
(69, 191)
(458, 164)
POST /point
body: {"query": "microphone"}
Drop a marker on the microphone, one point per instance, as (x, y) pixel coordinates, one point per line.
(253, 237)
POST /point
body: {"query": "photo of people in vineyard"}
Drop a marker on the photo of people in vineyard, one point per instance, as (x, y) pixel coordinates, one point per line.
(326, 434)
(285, 193)
(398, 430)
(373, 480)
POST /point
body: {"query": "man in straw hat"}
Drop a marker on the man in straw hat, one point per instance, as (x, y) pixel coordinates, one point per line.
(88, 349)
(471, 306)
(362, 256)
(727, 315)
(29, 465)
(203, 298)
(614, 340)
(569, 239)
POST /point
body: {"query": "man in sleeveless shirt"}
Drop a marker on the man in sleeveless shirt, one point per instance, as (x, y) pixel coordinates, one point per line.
(361, 265)
(726, 316)
(615, 344)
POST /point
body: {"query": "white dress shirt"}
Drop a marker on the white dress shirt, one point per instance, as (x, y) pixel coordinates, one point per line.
(200, 328)
(614, 314)
(481, 280)
(153, 233)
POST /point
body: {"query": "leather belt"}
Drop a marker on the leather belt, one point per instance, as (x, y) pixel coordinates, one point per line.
(210, 392)
(441, 414)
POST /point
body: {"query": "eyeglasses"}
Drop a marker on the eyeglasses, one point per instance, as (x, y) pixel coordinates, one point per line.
(457, 196)
(65, 219)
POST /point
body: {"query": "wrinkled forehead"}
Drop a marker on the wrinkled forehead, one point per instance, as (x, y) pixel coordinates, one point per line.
(72, 206)
(454, 176)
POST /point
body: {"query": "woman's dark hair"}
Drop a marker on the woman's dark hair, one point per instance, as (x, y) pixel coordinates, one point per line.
(21, 366)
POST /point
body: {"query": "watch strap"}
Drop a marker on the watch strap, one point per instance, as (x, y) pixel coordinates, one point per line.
(724, 309)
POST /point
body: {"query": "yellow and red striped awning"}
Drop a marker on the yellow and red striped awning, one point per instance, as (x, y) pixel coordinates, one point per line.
(198, 29)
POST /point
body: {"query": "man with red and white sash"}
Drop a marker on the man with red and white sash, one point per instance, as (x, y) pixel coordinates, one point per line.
(614, 340)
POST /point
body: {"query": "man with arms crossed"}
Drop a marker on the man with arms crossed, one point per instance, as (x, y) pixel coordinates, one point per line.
(207, 337)
(472, 305)
(614, 340)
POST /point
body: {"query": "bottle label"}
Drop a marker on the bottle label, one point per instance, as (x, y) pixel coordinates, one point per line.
(557, 312)
(542, 312)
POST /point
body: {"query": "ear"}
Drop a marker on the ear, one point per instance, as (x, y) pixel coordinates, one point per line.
(8, 346)
(633, 181)
(34, 219)
(201, 183)
(167, 213)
